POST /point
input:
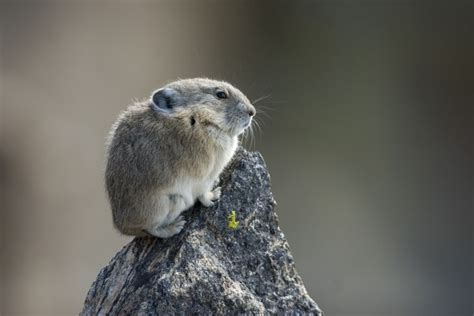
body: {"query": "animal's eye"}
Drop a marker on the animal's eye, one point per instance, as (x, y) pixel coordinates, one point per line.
(221, 95)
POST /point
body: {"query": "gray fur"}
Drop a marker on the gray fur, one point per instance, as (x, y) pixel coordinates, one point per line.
(151, 151)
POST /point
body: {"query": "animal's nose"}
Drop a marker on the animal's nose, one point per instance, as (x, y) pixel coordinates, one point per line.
(251, 112)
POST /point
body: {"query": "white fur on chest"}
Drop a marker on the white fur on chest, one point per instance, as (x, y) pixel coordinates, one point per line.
(192, 188)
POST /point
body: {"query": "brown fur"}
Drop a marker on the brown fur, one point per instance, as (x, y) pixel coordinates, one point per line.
(151, 152)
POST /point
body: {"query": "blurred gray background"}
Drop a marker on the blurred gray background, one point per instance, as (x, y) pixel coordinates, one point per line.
(368, 137)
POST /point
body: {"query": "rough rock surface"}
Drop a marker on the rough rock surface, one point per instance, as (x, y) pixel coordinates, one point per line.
(210, 267)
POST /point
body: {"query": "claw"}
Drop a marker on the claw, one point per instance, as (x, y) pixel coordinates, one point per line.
(216, 194)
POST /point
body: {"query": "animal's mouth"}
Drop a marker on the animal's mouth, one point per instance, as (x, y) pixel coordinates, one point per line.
(237, 125)
(248, 123)
(244, 125)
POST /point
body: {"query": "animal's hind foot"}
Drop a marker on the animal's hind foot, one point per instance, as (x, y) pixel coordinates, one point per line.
(168, 230)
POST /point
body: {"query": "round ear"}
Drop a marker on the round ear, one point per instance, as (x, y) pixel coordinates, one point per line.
(163, 100)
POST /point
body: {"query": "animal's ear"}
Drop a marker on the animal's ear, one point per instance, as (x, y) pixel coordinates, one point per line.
(163, 100)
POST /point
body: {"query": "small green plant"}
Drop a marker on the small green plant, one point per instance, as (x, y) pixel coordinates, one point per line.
(232, 220)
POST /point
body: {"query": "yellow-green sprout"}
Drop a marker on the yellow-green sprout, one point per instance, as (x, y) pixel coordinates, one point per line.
(232, 222)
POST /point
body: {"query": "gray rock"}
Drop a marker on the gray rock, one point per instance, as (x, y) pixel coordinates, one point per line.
(210, 267)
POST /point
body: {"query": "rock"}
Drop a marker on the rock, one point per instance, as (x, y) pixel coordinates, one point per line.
(210, 267)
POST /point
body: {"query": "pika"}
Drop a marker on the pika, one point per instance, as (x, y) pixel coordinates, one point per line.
(167, 152)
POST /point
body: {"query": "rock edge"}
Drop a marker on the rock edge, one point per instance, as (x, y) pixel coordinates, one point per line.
(210, 267)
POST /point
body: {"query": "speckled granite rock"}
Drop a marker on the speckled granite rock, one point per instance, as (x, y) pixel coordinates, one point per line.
(209, 267)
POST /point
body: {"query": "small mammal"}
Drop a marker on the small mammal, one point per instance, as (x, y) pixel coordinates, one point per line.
(165, 153)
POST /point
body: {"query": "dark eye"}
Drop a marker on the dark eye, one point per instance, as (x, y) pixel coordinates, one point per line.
(221, 95)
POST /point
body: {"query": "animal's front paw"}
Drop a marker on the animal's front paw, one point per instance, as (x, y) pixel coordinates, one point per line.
(205, 199)
(216, 194)
(208, 198)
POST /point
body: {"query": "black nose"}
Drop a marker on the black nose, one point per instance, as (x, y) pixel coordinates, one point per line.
(251, 112)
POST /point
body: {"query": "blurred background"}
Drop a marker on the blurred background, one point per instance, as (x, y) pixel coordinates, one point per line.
(368, 136)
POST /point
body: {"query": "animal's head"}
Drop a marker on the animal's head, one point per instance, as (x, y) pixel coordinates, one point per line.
(217, 102)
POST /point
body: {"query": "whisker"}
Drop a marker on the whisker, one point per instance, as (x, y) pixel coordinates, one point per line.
(276, 101)
(248, 137)
(259, 111)
(259, 120)
(252, 137)
(264, 107)
(245, 138)
(257, 124)
(261, 98)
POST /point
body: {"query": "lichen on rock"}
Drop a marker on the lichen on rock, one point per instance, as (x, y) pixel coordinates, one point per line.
(210, 267)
